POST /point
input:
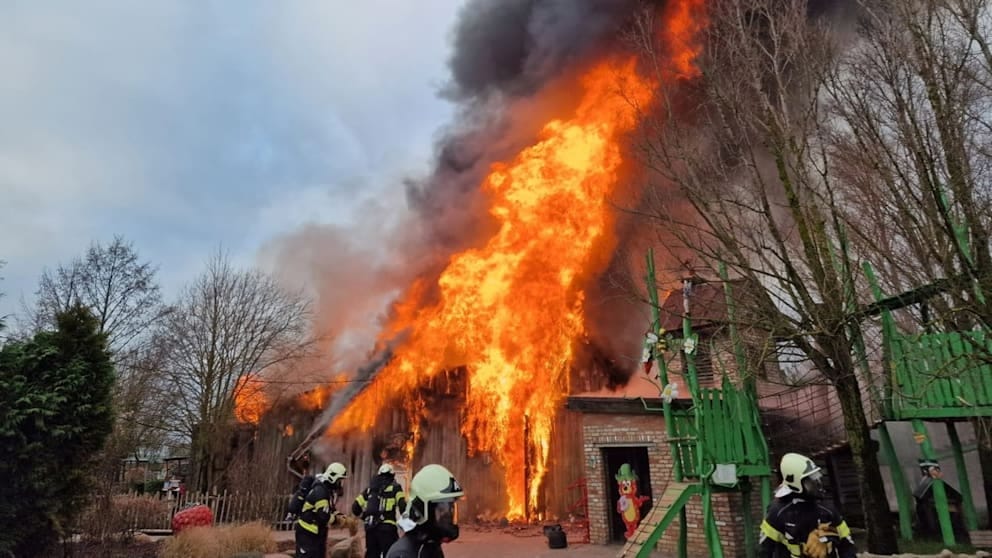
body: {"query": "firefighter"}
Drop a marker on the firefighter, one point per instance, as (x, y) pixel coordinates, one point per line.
(927, 523)
(378, 505)
(319, 508)
(799, 524)
(431, 517)
(299, 496)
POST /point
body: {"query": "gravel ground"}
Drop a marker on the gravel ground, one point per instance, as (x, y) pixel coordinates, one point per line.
(498, 544)
(529, 543)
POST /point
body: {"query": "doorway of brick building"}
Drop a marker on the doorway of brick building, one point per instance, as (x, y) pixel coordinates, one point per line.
(626, 468)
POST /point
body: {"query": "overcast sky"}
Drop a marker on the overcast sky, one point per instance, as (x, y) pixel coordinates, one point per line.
(190, 125)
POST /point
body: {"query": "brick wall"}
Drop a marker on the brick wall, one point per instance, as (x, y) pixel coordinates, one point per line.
(611, 430)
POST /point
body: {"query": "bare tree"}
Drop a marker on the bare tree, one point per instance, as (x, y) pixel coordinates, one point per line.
(121, 291)
(228, 328)
(113, 283)
(913, 132)
(745, 144)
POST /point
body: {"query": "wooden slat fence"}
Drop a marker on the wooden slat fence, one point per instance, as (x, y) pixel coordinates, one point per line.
(227, 507)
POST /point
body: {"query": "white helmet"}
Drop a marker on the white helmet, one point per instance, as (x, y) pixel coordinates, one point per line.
(386, 469)
(335, 471)
(432, 484)
(795, 468)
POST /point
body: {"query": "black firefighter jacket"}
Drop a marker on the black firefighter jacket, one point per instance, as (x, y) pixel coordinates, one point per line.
(785, 532)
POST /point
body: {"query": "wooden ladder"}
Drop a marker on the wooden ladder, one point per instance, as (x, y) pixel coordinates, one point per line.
(661, 516)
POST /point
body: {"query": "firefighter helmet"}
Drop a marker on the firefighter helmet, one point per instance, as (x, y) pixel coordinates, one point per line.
(386, 469)
(795, 468)
(431, 485)
(335, 472)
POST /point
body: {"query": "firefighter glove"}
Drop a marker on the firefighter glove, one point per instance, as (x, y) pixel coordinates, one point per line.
(820, 543)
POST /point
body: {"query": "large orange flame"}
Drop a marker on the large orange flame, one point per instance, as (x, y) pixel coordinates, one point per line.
(510, 311)
(250, 402)
(318, 397)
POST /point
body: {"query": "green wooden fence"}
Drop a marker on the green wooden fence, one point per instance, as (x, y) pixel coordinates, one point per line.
(940, 376)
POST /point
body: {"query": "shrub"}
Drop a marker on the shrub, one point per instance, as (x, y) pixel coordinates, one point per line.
(55, 414)
(195, 542)
(220, 542)
(248, 537)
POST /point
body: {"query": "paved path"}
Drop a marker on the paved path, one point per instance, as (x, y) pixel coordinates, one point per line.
(498, 543)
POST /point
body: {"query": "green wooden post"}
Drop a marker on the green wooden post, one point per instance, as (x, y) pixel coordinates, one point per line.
(939, 493)
(964, 246)
(888, 408)
(970, 517)
(692, 381)
(659, 359)
(903, 495)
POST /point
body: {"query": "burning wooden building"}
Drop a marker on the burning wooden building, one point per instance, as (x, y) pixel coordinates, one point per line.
(487, 346)
(487, 359)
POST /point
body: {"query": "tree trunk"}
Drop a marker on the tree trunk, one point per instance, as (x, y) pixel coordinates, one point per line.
(983, 433)
(200, 456)
(874, 504)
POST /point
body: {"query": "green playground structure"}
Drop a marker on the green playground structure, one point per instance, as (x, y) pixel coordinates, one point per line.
(715, 434)
(716, 441)
(938, 377)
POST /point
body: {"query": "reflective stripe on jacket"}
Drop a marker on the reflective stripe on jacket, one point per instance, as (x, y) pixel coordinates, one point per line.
(391, 499)
(317, 510)
(789, 522)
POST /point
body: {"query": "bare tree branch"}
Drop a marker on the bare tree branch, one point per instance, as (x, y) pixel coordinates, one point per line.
(227, 328)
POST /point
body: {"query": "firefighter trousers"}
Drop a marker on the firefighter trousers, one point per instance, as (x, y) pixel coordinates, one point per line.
(378, 539)
(310, 545)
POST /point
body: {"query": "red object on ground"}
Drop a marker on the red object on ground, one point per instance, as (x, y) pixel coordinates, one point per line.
(197, 516)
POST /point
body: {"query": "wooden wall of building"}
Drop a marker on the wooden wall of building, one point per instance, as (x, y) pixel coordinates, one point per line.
(441, 441)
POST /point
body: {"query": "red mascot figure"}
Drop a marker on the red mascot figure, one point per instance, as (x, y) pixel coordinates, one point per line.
(629, 504)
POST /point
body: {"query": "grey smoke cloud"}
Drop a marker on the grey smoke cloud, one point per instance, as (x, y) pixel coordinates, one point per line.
(503, 52)
(515, 46)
